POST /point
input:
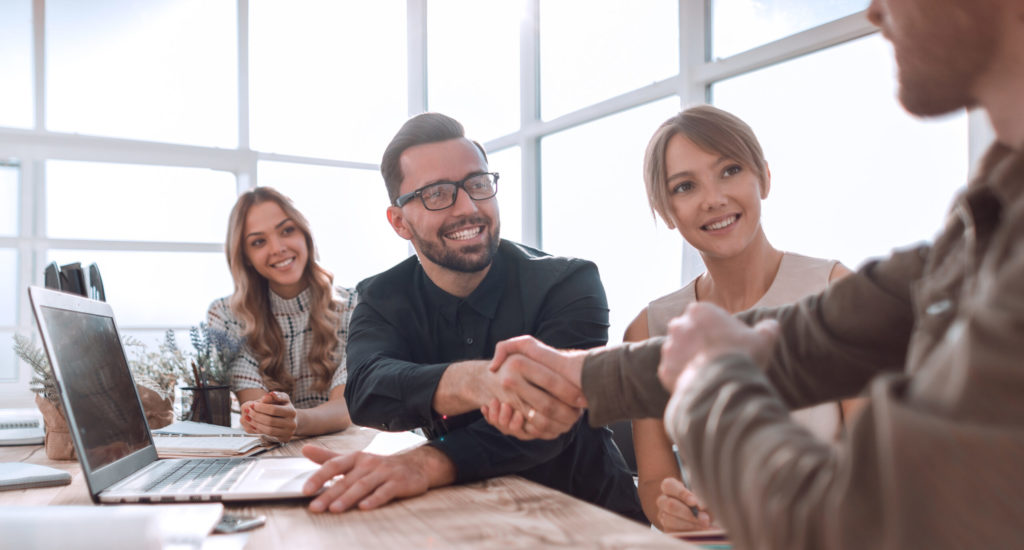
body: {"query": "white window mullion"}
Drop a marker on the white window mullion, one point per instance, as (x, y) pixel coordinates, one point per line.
(694, 45)
(416, 23)
(39, 62)
(243, 74)
(529, 109)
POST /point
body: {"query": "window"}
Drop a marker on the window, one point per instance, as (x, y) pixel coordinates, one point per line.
(595, 207)
(853, 174)
(739, 25)
(8, 311)
(8, 270)
(8, 200)
(161, 70)
(347, 211)
(507, 163)
(473, 50)
(592, 50)
(156, 290)
(327, 79)
(16, 63)
(129, 202)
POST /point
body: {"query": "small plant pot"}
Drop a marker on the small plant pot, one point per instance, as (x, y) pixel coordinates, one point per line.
(209, 404)
(57, 442)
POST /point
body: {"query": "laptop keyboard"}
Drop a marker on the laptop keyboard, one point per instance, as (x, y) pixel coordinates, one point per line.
(196, 476)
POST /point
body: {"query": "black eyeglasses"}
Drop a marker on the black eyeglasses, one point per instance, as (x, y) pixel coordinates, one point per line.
(441, 195)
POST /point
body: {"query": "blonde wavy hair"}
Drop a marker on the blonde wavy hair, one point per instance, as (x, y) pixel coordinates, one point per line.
(250, 302)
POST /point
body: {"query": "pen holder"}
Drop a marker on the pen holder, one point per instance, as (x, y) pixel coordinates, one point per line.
(209, 404)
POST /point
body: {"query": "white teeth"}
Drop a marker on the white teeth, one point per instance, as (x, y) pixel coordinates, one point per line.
(722, 224)
(464, 234)
(285, 263)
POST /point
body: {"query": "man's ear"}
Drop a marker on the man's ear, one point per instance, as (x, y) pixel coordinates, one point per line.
(766, 185)
(397, 221)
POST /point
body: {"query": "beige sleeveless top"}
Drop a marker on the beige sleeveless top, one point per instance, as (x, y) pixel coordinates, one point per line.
(798, 276)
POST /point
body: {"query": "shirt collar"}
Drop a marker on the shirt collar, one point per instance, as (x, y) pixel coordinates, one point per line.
(484, 298)
(1002, 171)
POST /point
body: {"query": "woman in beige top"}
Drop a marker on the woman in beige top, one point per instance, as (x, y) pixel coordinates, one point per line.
(706, 176)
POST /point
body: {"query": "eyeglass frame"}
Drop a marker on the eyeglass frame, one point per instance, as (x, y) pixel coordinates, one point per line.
(403, 200)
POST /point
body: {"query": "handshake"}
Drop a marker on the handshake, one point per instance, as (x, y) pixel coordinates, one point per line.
(533, 391)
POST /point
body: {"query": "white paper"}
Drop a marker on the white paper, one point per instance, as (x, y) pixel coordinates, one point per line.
(130, 527)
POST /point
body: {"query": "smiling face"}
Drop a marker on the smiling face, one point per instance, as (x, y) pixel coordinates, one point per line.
(715, 201)
(461, 238)
(276, 248)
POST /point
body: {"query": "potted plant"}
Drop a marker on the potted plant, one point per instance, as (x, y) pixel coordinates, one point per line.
(206, 372)
(155, 378)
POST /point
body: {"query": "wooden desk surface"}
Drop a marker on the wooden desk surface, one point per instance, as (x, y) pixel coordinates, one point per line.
(504, 512)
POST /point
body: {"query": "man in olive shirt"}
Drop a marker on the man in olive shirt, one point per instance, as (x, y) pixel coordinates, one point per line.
(933, 335)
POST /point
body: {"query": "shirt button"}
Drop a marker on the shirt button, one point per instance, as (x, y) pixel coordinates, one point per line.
(469, 340)
(939, 307)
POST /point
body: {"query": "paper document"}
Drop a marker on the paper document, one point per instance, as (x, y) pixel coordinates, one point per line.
(130, 527)
(389, 443)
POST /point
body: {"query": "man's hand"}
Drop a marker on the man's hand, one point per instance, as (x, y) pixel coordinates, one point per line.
(541, 396)
(706, 331)
(674, 508)
(370, 481)
(273, 414)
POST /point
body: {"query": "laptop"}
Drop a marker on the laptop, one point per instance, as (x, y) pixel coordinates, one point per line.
(109, 429)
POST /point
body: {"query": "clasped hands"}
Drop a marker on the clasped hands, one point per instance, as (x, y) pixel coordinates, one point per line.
(529, 390)
(544, 384)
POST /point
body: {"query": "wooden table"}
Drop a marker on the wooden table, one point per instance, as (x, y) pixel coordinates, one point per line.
(504, 512)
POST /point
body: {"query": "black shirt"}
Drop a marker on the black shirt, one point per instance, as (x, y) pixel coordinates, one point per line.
(406, 331)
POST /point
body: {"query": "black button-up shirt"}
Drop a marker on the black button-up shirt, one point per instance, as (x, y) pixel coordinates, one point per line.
(406, 331)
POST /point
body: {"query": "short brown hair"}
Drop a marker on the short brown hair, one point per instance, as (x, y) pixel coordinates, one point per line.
(418, 130)
(711, 129)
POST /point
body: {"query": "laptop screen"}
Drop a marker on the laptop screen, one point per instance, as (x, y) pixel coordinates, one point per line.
(97, 384)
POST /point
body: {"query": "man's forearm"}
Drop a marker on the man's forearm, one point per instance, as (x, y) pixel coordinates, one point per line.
(621, 382)
(459, 389)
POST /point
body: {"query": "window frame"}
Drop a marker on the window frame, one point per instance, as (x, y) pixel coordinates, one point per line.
(31, 148)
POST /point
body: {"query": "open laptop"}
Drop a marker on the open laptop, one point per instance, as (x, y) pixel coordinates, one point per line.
(109, 428)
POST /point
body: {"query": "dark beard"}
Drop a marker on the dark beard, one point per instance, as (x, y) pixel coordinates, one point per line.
(465, 260)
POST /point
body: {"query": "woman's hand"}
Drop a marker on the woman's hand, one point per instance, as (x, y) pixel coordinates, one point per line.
(273, 414)
(675, 508)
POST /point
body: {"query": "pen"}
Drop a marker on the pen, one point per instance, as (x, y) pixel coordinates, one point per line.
(682, 474)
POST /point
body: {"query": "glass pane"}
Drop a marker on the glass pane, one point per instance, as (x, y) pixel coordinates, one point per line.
(9, 361)
(846, 185)
(469, 33)
(595, 207)
(156, 289)
(8, 200)
(739, 25)
(160, 70)
(508, 163)
(8, 287)
(16, 63)
(130, 202)
(347, 211)
(612, 48)
(327, 79)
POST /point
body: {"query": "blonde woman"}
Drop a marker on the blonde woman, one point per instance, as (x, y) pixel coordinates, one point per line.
(290, 376)
(706, 177)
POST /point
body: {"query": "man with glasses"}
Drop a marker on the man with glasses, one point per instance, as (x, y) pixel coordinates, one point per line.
(422, 335)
